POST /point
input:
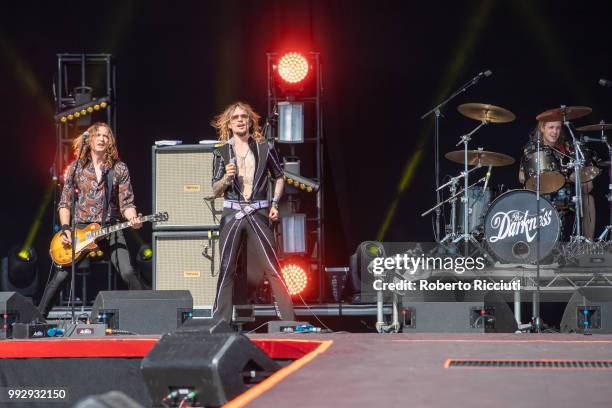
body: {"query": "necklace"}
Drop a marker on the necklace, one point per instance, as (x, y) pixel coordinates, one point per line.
(243, 157)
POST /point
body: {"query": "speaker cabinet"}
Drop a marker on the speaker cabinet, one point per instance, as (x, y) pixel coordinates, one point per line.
(182, 179)
(187, 260)
(479, 313)
(14, 308)
(589, 310)
(143, 311)
(214, 367)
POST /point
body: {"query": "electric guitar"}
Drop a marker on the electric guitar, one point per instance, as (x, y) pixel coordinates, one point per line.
(87, 236)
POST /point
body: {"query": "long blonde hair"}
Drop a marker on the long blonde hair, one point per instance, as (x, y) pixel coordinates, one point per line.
(221, 122)
(540, 126)
(111, 155)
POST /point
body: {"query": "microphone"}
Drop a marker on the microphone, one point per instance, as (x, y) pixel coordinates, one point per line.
(486, 183)
(231, 178)
(486, 73)
(605, 82)
(85, 136)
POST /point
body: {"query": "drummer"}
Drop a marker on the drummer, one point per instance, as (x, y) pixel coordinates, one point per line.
(553, 137)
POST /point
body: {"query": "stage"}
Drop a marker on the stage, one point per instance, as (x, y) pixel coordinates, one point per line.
(425, 189)
(364, 370)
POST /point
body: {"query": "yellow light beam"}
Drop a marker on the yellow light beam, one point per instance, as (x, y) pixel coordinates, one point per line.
(457, 63)
(24, 75)
(35, 227)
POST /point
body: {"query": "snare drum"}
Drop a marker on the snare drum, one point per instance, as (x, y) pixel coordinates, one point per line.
(551, 176)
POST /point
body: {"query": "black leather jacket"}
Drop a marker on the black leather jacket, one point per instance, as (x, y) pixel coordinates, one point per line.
(267, 164)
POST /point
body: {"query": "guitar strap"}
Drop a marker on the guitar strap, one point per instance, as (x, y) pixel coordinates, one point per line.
(110, 175)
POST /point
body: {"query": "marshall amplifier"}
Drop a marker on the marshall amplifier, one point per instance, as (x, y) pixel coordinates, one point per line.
(182, 186)
(188, 260)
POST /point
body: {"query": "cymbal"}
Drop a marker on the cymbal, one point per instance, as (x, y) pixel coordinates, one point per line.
(595, 128)
(603, 163)
(484, 111)
(556, 114)
(486, 158)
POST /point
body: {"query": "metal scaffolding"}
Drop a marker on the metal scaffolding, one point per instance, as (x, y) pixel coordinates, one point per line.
(311, 95)
(81, 77)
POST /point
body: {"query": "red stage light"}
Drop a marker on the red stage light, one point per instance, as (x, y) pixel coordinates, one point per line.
(293, 67)
(295, 278)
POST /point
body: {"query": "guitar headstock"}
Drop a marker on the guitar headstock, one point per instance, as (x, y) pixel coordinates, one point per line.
(160, 216)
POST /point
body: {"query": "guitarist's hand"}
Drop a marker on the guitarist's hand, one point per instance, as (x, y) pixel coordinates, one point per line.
(136, 222)
(67, 238)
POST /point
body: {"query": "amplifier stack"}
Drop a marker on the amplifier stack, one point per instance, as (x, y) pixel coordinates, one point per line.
(185, 248)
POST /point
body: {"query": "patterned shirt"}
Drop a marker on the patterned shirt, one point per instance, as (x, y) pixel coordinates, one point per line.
(90, 203)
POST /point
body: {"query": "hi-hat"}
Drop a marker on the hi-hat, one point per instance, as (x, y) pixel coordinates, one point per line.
(486, 112)
(595, 128)
(567, 112)
(483, 157)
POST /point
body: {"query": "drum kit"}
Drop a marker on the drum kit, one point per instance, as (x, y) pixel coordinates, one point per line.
(521, 226)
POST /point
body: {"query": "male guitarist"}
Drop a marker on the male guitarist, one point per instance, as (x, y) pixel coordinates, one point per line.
(99, 169)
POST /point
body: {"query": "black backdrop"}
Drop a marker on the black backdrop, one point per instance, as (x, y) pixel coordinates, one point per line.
(384, 64)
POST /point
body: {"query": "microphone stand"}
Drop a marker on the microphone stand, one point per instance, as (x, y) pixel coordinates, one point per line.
(73, 229)
(604, 138)
(578, 163)
(265, 131)
(437, 110)
(466, 236)
(536, 320)
(454, 197)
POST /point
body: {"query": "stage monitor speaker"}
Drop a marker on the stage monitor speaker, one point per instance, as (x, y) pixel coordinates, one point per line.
(187, 260)
(490, 315)
(143, 311)
(212, 368)
(15, 308)
(589, 310)
(210, 326)
(182, 179)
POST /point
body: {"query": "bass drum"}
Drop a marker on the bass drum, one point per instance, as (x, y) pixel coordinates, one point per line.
(511, 227)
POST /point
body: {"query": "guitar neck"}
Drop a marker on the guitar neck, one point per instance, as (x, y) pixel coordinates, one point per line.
(117, 227)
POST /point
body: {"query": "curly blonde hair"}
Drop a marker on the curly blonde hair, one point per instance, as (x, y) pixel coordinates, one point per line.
(111, 155)
(221, 122)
